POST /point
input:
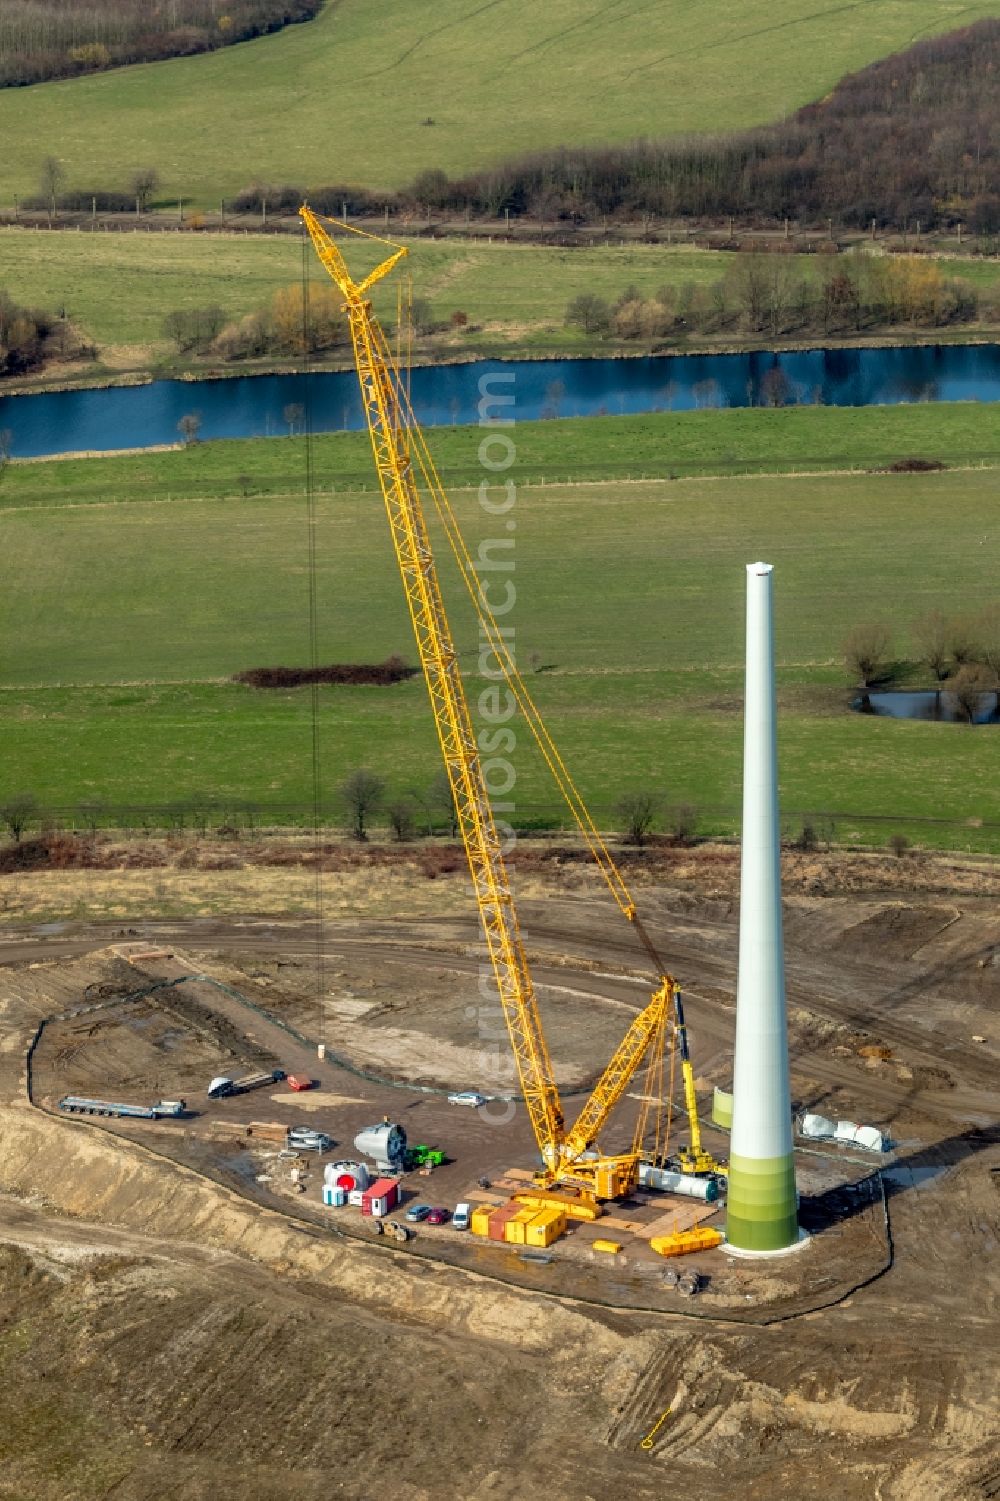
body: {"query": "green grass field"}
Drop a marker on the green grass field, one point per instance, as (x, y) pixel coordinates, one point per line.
(121, 623)
(346, 98)
(117, 288)
(657, 445)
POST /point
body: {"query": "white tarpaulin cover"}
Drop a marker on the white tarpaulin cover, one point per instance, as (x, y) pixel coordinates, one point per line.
(862, 1136)
(818, 1126)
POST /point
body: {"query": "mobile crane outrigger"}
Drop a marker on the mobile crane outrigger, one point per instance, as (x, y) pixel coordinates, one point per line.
(570, 1155)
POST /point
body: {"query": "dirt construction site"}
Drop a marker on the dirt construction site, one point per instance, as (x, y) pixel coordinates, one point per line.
(180, 1310)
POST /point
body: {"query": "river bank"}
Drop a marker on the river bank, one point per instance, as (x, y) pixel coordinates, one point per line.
(432, 356)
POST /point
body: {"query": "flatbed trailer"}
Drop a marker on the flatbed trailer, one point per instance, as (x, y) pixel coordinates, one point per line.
(75, 1104)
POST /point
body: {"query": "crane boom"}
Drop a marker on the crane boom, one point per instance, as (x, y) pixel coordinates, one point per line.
(391, 426)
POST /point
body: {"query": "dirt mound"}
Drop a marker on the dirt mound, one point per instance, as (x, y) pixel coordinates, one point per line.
(897, 930)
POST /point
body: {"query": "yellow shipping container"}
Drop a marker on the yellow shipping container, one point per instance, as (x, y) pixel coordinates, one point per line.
(611, 1246)
(573, 1209)
(480, 1223)
(545, 1227)
(515, 1228)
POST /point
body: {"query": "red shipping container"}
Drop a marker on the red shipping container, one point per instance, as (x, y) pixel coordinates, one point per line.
(380, 1197)
(499, 1218)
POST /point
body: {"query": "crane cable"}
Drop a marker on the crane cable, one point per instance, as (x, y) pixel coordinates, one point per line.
(505, 660)
(494, 635)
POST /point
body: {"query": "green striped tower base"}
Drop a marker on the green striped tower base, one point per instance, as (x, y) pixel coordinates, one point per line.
(761, 1209)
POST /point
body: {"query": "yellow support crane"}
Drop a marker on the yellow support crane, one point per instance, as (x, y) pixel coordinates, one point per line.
(570, 1155)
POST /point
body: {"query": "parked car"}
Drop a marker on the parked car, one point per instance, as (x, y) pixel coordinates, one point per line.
(468, 1097)
(300, 1081)
(417, 1213)
(306, 1140)
(461, 1218)
(438, 1217)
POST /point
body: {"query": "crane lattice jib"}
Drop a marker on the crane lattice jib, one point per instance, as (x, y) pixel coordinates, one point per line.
(648, 1027)
(390, 447)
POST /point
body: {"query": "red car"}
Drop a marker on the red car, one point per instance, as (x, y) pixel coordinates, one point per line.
(438, 1217)
(299, 1081)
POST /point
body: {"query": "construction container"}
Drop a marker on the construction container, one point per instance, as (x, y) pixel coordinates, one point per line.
(334, 1198)
(380, 1198)
(514, 1231)
(573, 1208)
(546, 1226)
(677, 1183)
(499, 1218)
(479, 1224)
(611, 1246)
(701, 1238)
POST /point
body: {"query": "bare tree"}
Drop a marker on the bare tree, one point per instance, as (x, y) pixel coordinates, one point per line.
(143, 184)
(589, 313)
(53, 175)
(189, 427)
(440, 800)
(899, 844)
(931, 635)
(17, 812)
(293, 414)
(401, 815)
(362, 792)
(682, 820)
(775, 387)
(970, 686)
(987, 631)
(867, 652)
(962, 644)
(636, 812)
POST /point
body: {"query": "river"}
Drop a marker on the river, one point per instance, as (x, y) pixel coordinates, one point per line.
(255, 406)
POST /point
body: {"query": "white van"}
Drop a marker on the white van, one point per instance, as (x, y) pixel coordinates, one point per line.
(460, 1219)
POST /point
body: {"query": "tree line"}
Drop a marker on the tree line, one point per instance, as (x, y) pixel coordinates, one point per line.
(283, 326)
(961, 653)
(42, 39)
(768, 294)
(909, 138)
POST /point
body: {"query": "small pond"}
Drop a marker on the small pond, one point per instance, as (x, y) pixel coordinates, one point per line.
(941, 707)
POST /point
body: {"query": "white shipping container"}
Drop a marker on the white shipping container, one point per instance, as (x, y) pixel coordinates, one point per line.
(355, 1197)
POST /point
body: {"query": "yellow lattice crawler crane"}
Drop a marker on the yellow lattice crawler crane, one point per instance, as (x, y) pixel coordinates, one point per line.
(571, 1156)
